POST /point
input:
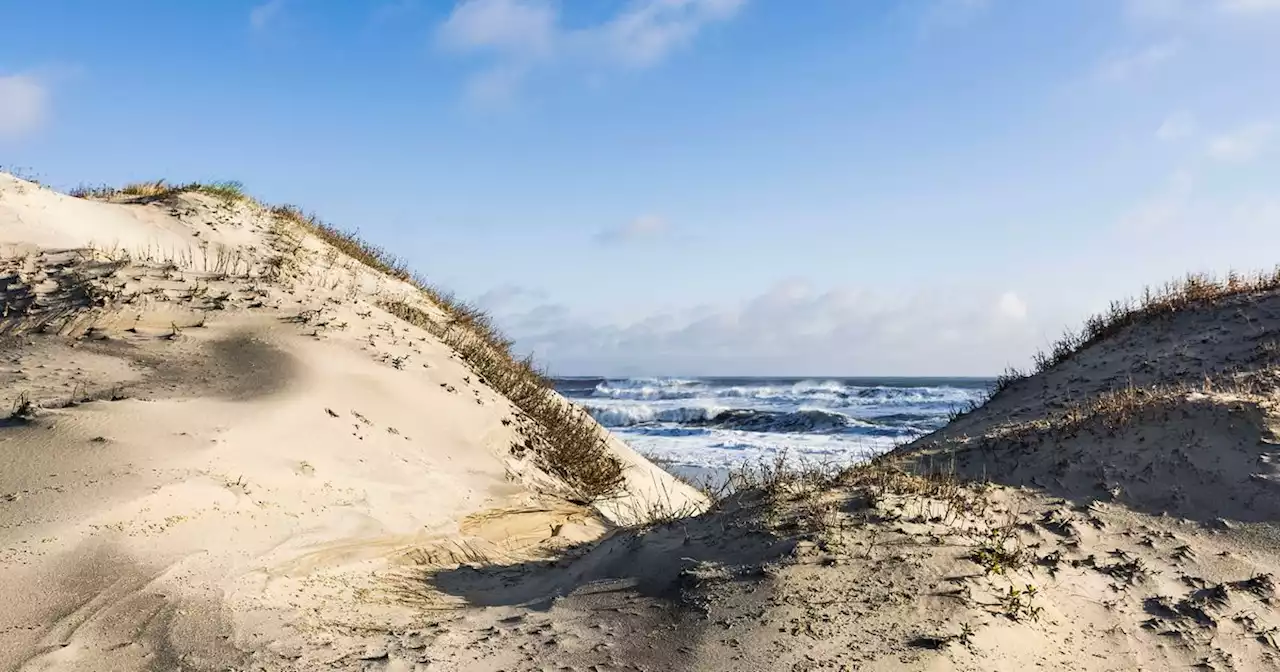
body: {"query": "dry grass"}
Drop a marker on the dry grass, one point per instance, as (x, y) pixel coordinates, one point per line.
(348, 243)
(227, 190)
(570, 444)
(1194, 291)
(1117, 409)
(22, 173)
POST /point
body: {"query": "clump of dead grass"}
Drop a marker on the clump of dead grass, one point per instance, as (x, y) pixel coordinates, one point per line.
(570, 444)
(227, 190)
(23, 408)
(1193, 291)
(1000, 550)
(349, 243)
(1116, 409)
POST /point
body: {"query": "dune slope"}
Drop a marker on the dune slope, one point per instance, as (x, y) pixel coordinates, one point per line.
(248, 460)
(216, 444)
(1113, 512)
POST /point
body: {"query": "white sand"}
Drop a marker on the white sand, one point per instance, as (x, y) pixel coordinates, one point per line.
(249, 505)
(264, 473)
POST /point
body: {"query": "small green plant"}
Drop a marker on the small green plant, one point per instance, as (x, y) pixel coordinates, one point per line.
(1000, 551)
(1018, 603)
(227, 190)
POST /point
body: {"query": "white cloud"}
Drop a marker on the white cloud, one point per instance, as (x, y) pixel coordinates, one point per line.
(1242, 144)
(648, 31)
(24, 105)
(1177, 126)
(1011, 307)
(512, 26)
(520, 35)
(1127, 66)
(645, 226)
(261, 16)
(790, 329)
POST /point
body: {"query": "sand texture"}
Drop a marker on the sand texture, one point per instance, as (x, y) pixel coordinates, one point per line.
(243, 463)
(231, 450)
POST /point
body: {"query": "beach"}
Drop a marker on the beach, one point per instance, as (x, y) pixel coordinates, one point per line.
(239, 439)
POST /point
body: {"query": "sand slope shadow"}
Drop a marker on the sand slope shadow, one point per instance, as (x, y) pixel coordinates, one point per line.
(241, 366)
(1203, 457)
(666, 562)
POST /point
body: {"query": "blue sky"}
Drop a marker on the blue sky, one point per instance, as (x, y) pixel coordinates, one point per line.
(702, 186)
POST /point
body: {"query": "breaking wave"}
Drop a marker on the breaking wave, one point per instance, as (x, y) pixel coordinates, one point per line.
(825, 392)
(725, 421)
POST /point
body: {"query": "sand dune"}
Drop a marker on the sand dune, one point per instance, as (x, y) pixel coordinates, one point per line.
(227, 457)
(1113, 512)
(211, 463)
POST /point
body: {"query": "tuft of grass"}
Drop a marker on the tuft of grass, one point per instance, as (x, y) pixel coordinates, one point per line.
(1192, 291)
(227, 190)
(349, 243)
(22, 173)
(101, 191)
(1000, 551)
(23, 408)
(570, 444)
(155, 189)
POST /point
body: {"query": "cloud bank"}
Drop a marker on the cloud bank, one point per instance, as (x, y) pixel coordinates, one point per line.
(790, 329)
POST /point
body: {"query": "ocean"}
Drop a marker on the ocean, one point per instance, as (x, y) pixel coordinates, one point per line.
(714, 424)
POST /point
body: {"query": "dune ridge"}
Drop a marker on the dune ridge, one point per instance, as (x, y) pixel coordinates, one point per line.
(219, 441)
(1112, 510)
(219, 458)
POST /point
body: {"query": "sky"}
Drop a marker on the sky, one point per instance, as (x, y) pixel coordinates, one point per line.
(702, 187)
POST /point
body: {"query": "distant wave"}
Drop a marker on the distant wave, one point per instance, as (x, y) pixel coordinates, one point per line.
(725, 421)
(831, 393)
(640, 414)
(808, 421)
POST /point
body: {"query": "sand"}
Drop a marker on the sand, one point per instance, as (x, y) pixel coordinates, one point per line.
(226, 463)
(1117, 512)
(234, 470)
